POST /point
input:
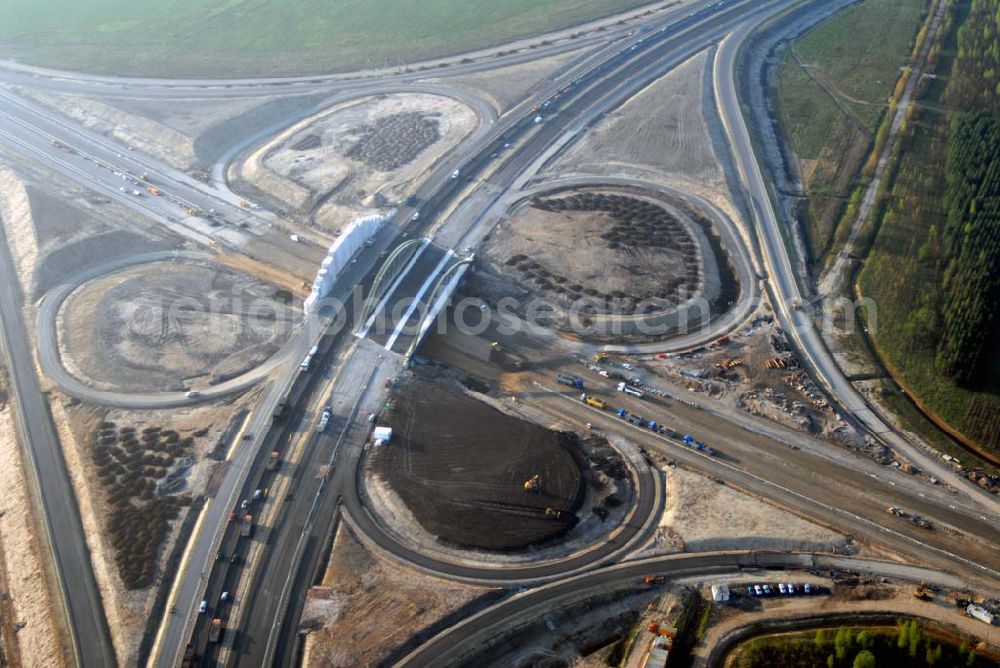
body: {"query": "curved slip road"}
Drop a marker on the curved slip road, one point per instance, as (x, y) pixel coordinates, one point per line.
(51, 361)
(452, 646)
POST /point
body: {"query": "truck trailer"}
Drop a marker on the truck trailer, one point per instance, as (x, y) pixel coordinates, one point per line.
(215, 630)
(572, 381)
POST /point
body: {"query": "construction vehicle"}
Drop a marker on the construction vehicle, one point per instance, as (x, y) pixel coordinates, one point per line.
(600, 357)
(572, 381)
(324, 419)
(592, 401)
(980, 613)
(553, 513)
(215, 630)
(188, 659)
(308, 359)
(534, 484)
(155, 192)
(244, 204)
(727, 364)
(631, 391)
(247, 526)
(191, 211)
(144, 176)
(62, 147)
(637, 420)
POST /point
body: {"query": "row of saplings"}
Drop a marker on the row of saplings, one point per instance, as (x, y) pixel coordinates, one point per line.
(637, 224)
(129, 463)
(394, 141)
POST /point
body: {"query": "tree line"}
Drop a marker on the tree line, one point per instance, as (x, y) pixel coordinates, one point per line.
(971, 249)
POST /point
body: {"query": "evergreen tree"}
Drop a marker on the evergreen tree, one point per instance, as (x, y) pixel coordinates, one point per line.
(864, 659)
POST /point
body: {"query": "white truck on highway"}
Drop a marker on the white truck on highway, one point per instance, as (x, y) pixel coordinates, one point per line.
(631, 391)
(324, 419)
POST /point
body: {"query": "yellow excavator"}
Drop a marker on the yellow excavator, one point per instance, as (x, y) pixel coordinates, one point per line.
(534, 484)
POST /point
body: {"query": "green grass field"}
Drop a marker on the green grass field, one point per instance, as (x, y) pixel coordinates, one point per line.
(267, 37)
(833, 101)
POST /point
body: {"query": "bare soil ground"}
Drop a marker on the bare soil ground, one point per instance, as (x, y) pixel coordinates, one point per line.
(58, 229)
(37, 640)
(673, 145)
(754, 370)
(169, 325)
(706, 515)
(15, 209)
(461, 467)
(128, 535)
(145, 134)
(362, 154)
(366, 606)
(634, 260)
(505, 87)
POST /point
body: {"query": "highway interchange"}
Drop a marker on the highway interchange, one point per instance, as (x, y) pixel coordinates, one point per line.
(271, 573)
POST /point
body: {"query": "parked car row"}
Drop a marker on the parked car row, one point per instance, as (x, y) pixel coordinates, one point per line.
(782, 589)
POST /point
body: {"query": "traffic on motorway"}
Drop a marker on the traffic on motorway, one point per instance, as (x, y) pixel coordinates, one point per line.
(291, 471)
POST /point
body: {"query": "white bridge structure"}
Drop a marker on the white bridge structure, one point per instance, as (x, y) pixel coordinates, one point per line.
(351, 240)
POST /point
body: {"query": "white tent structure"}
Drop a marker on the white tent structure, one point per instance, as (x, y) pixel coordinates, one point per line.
(339, 257)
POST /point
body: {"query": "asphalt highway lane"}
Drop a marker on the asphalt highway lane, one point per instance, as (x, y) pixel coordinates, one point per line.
(81, 598)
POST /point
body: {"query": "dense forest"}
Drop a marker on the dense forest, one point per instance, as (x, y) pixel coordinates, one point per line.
(971, 248)
(975, 77)
(934, 265)
(971, 237)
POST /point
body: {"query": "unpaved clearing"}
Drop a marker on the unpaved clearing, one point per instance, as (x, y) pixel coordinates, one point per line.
(705, 515)
(128, 610)
(640, 266)
(755, 370)
(171, 325)
(15, 209)
(462, 468)
(664, 133)
(39, 641)
(190, 117)
(57, 228)
(632, 249)
(367, 606)
(505, 87)
(356, 156)
(144, 134)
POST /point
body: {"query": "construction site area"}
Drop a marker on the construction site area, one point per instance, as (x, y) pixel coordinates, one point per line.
(173, 325)
(475, 477)
(355, 157)
(640, 266)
